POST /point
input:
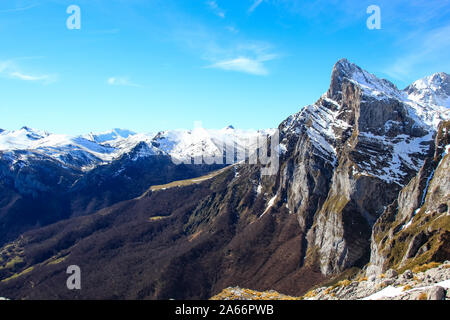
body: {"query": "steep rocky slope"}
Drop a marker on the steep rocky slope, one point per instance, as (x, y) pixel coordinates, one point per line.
(415, 228)
(347, 157)
(412, 233)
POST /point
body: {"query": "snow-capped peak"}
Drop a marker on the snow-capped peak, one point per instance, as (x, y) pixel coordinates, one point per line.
(88, 151)
(428, 99)
(326, 122)
(84, 152)
(23, 138)
(431, 90)
(369, 83)
(200, 142)
(110, 135)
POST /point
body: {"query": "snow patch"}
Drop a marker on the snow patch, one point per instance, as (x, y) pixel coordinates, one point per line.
(269, 205)
(391, 291)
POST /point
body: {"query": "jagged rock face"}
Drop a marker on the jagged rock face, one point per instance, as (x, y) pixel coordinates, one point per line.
(349, 155)
(416, 227)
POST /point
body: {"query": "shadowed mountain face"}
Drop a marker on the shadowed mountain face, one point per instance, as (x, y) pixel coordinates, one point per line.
(48, 177)
(343, 162)
(42, 191)
(177, 243)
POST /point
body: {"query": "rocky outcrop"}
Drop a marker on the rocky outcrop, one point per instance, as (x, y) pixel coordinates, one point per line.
(415, 228)
(429, 282)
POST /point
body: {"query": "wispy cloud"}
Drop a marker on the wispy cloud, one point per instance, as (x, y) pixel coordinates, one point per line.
(223, 48)
(232, 29)
(431, 47)
(212, 4)
(255, 5)
(19, 8)
(247, 58)
(29, 77)
(242, 64)
(10, 70)
(121, 81)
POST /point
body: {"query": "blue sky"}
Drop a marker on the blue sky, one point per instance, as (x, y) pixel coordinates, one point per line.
(150, 65)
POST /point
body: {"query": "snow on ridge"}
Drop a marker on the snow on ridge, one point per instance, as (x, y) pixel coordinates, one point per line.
(111, 135)
(432, 90)
(369, 83)
(427, 99)
(402, 148)
(321, 120)
(200, 142)
(144, 150)
(88, 151)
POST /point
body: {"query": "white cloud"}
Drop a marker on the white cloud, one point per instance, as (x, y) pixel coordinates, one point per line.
(19, 9)
(121, 81)
(430, 48)
(247, 58)
(224, 48)
(10, 70)
(255, 5)
(242, 64)
(27, 77)
(215, 8)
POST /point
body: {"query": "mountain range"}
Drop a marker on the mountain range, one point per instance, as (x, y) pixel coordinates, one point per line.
(362, 187)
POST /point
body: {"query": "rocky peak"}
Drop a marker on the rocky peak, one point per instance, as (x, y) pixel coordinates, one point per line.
(346, 71)
(432, 90)
(114, 134)
(26, 128)
(143, 150)
(367, 140)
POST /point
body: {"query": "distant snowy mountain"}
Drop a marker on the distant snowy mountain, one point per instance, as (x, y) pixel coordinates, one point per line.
(432, 90)
(112, 135)
(201, 142)
(76, 152)
(430, 98)
(88, 151)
